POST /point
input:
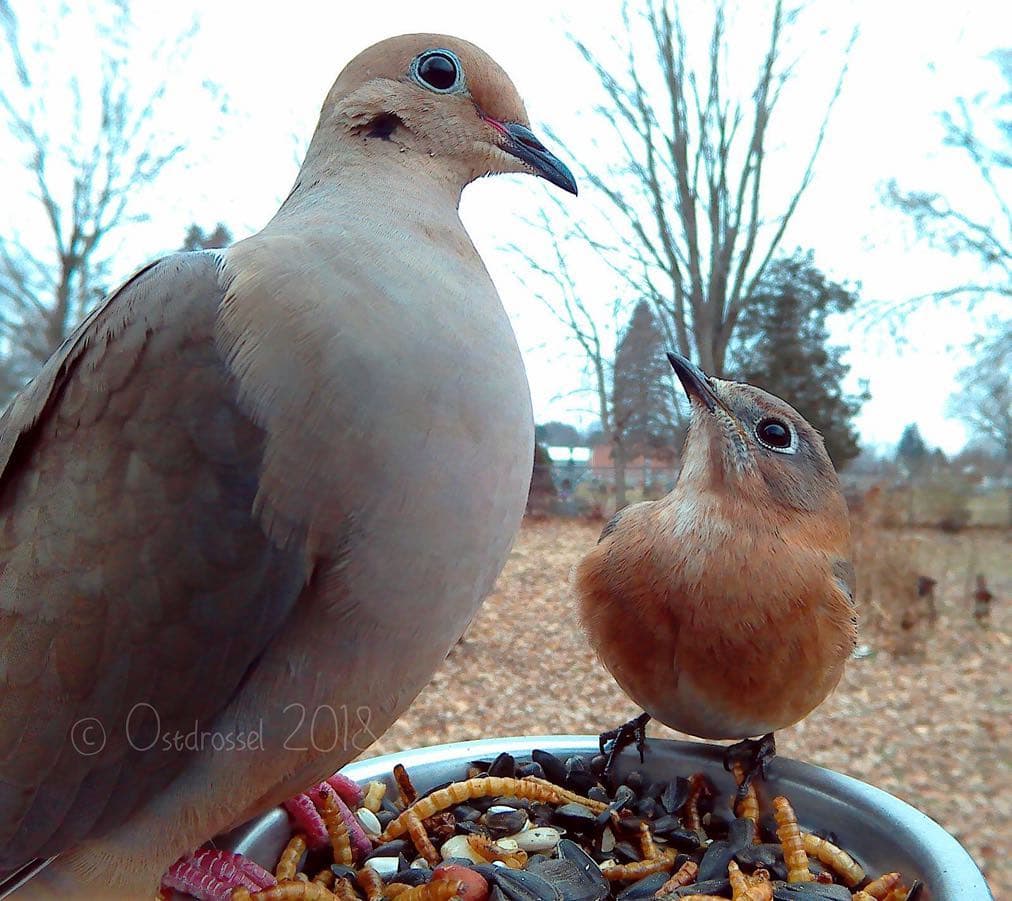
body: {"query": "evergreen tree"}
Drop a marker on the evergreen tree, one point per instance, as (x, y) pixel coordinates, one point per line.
(782, 346)
(197, 239)
(542, 492)
(643, 399)
(558, 434)
(911, 452)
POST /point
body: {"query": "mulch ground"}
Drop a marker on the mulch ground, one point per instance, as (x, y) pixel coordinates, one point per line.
(934, 730)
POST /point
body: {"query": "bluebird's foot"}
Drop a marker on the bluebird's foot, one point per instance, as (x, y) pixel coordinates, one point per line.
(614, 741)
(755, 754)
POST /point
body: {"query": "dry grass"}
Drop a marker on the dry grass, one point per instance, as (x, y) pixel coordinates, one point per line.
(933, 729)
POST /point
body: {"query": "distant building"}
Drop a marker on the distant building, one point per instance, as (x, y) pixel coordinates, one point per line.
(563, 455)
(580, 465)
(639, 471)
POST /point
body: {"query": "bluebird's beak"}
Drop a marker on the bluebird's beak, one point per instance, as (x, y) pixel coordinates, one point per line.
(695, 382)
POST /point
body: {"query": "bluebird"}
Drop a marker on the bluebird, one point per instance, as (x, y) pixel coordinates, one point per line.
(725, 609)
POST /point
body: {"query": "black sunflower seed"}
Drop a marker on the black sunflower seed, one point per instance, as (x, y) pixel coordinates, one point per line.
(714, 863)
(675, 794)
(627, 852)
(504, 765)
(645, 888)
(710, 887)
(555, 769)
(740, 833)
(809, 891)
(530, 769)
(575, 817)
(523, 885)
(412, 876)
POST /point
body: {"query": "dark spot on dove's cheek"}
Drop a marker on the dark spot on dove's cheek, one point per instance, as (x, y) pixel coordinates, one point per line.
(383, 126)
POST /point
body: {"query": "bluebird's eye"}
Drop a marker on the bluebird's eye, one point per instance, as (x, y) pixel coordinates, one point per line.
(774, 434)
(438, 70)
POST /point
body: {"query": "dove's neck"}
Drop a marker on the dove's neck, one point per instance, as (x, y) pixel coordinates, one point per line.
(351, 164)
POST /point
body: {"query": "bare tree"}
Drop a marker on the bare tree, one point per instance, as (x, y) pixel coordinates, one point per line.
(696, 227)
(555, 286)
(984, 398)
(984, 231)
(86, 159)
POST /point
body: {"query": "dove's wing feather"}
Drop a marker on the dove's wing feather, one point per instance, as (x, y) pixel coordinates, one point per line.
(132, 571)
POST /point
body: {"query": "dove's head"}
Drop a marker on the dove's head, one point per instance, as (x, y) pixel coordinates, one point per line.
(443, 100)
(756, 451)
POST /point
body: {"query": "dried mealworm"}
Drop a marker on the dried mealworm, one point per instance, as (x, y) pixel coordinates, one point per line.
(344, 890)
(647, 846)
(899, 893)
(698, 785)
(307, 819)
(747, 807)
(882, 886)
(744, 888)
(640, 868)
(565, 795)
(288, 863)
(324, 878)
(436, 890)
(684, 875)
(702, 898)
(337, 829)
(423, 845)
(374, 794)
(861, 896)
(370, 883)
(348, 789)
(838, 860)
(407, 791)
(292, 890)
(790, 839)
(482, 787)
(483, 846)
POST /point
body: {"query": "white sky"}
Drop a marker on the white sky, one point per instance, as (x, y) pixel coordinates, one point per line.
(276, 62)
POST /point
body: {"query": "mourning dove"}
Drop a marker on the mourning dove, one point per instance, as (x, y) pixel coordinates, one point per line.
(250, 504)
(725, 609)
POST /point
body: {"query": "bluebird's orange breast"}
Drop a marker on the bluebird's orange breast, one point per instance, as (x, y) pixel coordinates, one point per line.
(719, 620)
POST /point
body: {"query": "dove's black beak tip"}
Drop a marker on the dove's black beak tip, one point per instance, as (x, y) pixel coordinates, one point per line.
(522, 143)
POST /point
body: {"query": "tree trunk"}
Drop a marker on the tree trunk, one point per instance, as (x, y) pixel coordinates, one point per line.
(618, 457)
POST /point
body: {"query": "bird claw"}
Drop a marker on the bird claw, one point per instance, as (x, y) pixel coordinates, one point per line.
(633, 732)
(756, 754)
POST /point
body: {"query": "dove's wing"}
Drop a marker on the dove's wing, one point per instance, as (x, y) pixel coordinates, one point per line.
(136, 587)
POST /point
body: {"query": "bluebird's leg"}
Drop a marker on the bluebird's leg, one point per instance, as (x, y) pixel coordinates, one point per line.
(756, 754)
(635, 731)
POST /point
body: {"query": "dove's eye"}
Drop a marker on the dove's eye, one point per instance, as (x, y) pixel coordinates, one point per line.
(775, 434)
(438, 70)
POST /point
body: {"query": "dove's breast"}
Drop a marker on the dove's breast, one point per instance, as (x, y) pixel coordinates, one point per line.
(383, 367)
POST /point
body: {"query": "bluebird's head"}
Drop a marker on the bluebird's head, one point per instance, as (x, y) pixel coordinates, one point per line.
(750, 445)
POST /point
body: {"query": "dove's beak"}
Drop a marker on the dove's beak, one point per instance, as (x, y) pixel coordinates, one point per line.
(522, 143)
